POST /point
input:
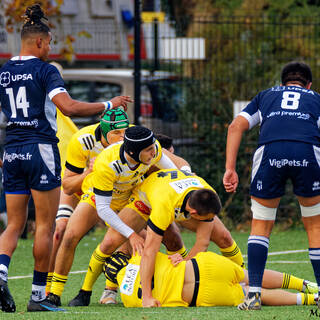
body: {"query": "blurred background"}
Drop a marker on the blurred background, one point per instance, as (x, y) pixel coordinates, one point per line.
(191, 66)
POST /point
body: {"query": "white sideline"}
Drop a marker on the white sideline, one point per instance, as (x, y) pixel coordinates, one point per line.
(269, 254)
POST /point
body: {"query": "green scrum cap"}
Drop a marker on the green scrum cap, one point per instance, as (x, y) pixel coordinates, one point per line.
(114, 119)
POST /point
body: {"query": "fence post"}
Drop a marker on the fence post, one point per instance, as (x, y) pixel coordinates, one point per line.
(137, 60)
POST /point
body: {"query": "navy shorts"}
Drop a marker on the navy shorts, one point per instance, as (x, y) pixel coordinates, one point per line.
(277, 162)
(31, 166)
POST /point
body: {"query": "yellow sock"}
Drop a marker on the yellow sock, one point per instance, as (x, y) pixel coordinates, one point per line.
(95, 268)
(307, 298)
(58, 283)
(49, 281)
(110, 285)
(183, 251)
(233, 253)
(291, 282)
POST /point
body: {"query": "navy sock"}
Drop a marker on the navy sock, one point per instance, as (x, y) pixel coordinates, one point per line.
(5, 260)
(39, 278)
(257, 256)
(314, 255)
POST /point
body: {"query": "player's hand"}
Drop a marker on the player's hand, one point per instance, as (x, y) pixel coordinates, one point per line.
(175, 258)
(137, 243)
(150, 302)
(230, 180)
(121, 101)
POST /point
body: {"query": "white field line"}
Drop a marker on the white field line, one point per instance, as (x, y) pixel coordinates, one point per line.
(276, 253)
(30, 275)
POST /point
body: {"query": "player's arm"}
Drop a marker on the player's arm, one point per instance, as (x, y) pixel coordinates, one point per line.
(235, 131)
(169, 160)
(151, 248)
(72, 181)
(203, 233)
(70, 107)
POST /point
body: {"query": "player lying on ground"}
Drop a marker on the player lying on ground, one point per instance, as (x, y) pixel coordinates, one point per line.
(206, 280)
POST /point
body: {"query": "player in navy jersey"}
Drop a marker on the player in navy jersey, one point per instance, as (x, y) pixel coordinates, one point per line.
(30, 90)
(288, 148)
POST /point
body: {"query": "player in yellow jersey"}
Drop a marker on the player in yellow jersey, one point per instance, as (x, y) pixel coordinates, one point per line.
(118, 173)
(82, 150)
(206, 280)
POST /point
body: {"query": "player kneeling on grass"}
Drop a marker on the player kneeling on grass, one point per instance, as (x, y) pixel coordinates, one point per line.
(206, 280)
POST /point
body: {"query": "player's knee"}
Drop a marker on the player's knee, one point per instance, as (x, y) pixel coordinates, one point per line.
(109, 245)
(70, 239)
(310, 211)
(224, 240)
(261, 212)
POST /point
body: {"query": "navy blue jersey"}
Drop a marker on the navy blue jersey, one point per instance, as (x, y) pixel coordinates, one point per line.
(26, 86)
(285, 113)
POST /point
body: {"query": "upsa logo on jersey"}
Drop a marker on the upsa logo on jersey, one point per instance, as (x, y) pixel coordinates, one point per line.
(6, 78)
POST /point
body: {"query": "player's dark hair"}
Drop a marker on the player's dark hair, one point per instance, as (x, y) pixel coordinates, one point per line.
(296, 71)
(205, 201)
(34, 22)
(165, 141)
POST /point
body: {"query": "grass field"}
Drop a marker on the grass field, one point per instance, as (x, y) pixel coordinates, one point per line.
(288, 261)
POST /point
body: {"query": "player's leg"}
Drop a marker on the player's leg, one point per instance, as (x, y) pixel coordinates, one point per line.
(221, 236)
(17, 217)
(310, 210)
(279, 280)
(46, 206)
(173, 241)
(65, 210)
(82, 220)
(280, 297)
(112, 240)
(264, 213)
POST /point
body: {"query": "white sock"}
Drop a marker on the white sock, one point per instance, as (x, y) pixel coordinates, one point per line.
(38, 293)
(3, 272)
(299, 300)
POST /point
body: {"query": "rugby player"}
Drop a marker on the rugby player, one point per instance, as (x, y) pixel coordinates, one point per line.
(206, 280)
(288, 149)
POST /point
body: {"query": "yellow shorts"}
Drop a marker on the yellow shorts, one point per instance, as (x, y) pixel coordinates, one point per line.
(116, 205)
(139, 206)
(219, 281)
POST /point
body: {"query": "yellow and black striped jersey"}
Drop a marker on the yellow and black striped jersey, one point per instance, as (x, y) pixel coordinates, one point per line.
(166, 193)
(83, 146)
(111, 174)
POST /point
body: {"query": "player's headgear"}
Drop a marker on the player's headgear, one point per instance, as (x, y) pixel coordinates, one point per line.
(112, 120)
(34, 21)
(136, 139)
(114, 264)
(296, 71)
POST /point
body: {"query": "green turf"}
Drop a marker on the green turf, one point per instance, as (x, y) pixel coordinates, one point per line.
(22, 264)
